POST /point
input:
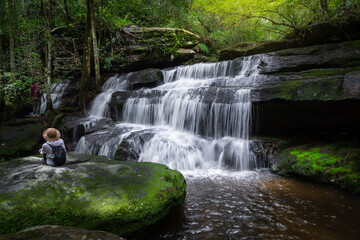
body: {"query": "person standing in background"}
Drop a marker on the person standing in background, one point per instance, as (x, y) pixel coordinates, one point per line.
(35, 98)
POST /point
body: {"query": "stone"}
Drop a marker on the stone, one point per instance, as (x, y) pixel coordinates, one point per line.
(156, 47)
(89, 192)
(53, 232)
(130, 147)
(20, 137)
(336, 164)
(150, 77)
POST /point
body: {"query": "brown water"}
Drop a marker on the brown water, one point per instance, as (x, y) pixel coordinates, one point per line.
(259, 205)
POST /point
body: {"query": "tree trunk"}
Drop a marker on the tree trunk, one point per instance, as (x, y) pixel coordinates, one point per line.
(1, 43)
(85, 78)
(1, 52)
(49, 105)
(67, 18)
(95, 47)
(324, 6)
(12, 16)
(50, 25)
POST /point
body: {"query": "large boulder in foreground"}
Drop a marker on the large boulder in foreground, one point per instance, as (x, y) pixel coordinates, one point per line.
(89, 192)
(50, 232)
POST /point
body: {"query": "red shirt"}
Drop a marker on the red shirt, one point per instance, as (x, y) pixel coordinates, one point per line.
(35, 91)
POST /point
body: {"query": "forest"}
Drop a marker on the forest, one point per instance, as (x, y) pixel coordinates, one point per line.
(179, 119)
(26, 27)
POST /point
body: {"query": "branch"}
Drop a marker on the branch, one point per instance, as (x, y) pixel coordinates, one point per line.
(283, 16)
(129, 33)
(272, 29)
(273, 22)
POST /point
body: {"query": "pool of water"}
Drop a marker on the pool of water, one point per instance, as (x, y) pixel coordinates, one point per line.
(258, 205)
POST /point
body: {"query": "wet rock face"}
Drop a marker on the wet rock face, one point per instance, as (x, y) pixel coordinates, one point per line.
(69, 99)
(317, 73)
(150, 77)
(89, 191)
(130, 147)
(314, 89)
(51, 232)
(118, 99)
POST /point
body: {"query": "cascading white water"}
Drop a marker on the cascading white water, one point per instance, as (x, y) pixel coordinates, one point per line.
(57, 91)
(99, 107)
(200, 117)
(43, 103)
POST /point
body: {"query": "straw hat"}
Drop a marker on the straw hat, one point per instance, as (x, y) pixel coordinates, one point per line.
(51, 134)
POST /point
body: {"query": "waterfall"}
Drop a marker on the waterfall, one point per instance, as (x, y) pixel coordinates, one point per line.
(57, 91)
(99, 107)
(43, 103)
(199, 118)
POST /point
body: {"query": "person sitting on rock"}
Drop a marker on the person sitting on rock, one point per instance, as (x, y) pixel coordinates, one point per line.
(35, 98)
(53, 151)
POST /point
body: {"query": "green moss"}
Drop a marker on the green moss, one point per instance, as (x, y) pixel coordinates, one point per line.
(353, 44)
(18, 140)
(324, 163)
(352, 71)
(121, 199)
(323, 72)
(323, 89)
(251, 48)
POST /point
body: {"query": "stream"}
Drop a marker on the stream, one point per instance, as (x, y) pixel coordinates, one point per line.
(198, 122)
(258, 205)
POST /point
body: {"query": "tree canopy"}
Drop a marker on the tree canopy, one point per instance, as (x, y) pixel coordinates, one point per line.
(26, 42)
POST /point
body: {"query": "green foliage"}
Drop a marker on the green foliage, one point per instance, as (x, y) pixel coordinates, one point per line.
(203, 48)
(219, 23)
(14, 92)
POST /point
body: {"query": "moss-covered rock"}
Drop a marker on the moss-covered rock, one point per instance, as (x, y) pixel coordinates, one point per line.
(306, 89)
(52, 232)
(90, 192)
(141, 48)
(251, 48)
(332, 164)
(19, 137)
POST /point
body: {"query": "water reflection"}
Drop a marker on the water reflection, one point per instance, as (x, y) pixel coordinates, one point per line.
(259, 205)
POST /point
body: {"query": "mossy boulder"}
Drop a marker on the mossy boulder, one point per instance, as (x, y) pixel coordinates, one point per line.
(138, 48)
(89, 192)
(328, 72)
(331, 164)
(243, 49)
(52, 232)
(20, 137)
